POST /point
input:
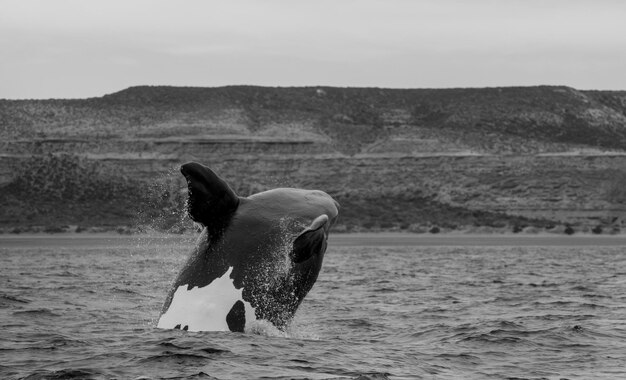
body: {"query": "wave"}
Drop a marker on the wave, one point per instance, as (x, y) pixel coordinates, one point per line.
(42, 312)
(67, 273)
(358, 376)
(7, 300)
(199, 375)
(86, 374)
(372, 376)
(208, 350)
(578, 304)
(189, 352)
(493, 339)
(471, 359)
(117, 289)
(177, 357)
(43, 341)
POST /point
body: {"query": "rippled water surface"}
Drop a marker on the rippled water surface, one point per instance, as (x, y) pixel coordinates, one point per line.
(77, 310)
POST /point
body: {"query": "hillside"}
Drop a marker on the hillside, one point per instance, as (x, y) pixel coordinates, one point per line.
(409, 159)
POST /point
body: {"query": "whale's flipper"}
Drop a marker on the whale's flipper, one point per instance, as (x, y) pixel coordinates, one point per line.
(311, 241)
(211, 201)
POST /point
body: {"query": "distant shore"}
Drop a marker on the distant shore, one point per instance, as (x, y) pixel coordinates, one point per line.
(335, 240)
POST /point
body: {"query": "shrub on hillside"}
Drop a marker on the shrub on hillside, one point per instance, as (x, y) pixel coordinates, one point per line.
(616, 189)
(68, 177)
(65, 189)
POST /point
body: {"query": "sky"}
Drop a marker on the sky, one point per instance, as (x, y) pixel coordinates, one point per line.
(89, 48)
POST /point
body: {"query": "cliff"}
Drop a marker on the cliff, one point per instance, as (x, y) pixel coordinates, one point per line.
(414, 159)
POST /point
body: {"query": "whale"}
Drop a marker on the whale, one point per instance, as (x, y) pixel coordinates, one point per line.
(256, 258)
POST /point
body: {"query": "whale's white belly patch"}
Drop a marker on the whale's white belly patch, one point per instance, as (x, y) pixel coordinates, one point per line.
(206, 308)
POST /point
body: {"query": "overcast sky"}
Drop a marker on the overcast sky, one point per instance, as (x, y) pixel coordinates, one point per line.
(85, 48)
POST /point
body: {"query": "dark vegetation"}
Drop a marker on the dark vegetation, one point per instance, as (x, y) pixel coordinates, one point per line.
(352, 117)
(616, 191)
(87, 162)
(54, 192)
(423, 214)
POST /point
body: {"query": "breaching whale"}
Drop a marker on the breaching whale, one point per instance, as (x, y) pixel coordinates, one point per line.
(256, 258)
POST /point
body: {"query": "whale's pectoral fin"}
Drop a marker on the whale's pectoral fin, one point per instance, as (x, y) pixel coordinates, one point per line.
(311, 241)
(211, 201)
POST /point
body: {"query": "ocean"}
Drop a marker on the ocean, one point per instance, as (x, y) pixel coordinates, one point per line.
(86, 308)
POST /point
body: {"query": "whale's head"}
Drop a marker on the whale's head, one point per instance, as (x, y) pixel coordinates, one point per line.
(273, 242)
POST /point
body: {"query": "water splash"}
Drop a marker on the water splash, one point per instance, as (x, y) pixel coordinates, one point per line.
(263, 328)
(164, 208)
(297, 329)
(277, 269)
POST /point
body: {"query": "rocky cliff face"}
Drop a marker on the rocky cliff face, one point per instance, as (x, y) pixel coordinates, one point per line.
(395, 159)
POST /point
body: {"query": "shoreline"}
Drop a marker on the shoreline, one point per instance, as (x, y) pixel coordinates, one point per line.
(375, 239)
